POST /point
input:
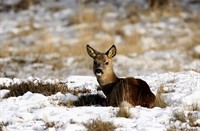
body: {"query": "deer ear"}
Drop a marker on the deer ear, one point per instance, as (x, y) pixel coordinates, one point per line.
(91, 52)
(111, 52)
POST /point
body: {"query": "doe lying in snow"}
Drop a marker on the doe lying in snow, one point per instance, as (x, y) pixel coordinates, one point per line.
(134, 91)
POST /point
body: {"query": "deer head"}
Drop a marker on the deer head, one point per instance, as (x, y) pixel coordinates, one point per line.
(102, 65)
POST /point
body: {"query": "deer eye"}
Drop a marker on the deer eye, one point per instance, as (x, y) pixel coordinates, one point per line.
(106, 63)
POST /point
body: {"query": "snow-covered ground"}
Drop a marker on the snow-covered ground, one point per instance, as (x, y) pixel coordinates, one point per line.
(34, 111)
(46, 43)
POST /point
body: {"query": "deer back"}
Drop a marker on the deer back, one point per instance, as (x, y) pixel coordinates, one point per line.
(134, 91)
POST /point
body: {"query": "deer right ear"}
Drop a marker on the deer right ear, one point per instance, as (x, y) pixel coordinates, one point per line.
(91, 52)
(111, 52)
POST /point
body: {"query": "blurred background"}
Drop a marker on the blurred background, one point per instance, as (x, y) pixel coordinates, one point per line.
(47, 38)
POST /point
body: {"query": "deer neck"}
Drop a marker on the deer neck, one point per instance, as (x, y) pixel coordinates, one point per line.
(107, 79)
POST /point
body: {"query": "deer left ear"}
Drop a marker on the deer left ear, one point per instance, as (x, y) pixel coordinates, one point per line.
(91, 52)
(111, 52)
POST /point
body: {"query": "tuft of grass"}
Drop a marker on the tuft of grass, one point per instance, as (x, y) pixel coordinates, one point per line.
(53, 124)
(2, 125)
(189, 119)
(180, 116)
(55, 8)
(174, 128)
(46, 89)
(160, 102)
(49, 124)
(123, 112)
(20, 5)
(155, 4)
(195, 107)
(99, 125)
(192, 118)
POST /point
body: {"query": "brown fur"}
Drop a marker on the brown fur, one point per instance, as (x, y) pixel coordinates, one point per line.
(117, 90)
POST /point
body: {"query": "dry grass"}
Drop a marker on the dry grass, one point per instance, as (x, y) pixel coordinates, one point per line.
(123, 112)
(99, 125)
(174, 128)
(95, 19)
(3, 125)
(45, 43)
(189, 119)
(85, 14)
(20, 5)
(53, 124)
(192, 120)
(49, 125)
(155, 4)
(55, 8)
(44, 48)
(180, 116)
(195, 40)
(195, 107)
(160, 102)
(46, 89)
(162, 9)
(5, 50)
(85, 34)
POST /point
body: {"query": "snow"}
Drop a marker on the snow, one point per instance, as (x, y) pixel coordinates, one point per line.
(34, 111)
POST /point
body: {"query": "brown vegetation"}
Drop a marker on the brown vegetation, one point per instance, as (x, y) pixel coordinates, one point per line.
(153, 4)
(46, 89)
(20, 5)
(188, 119)
(123, 112)
(160, 102)
(99, 125)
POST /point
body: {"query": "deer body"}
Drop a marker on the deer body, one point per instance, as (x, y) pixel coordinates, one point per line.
(117, 90)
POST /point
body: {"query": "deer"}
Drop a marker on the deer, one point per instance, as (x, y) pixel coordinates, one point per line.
(117, 90)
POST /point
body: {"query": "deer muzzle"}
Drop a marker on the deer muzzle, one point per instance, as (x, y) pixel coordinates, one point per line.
(98, 72)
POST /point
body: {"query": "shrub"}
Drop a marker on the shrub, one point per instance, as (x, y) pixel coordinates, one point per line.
(46, 89)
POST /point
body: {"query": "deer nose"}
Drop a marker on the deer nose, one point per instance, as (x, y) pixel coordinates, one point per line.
(98, 71)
